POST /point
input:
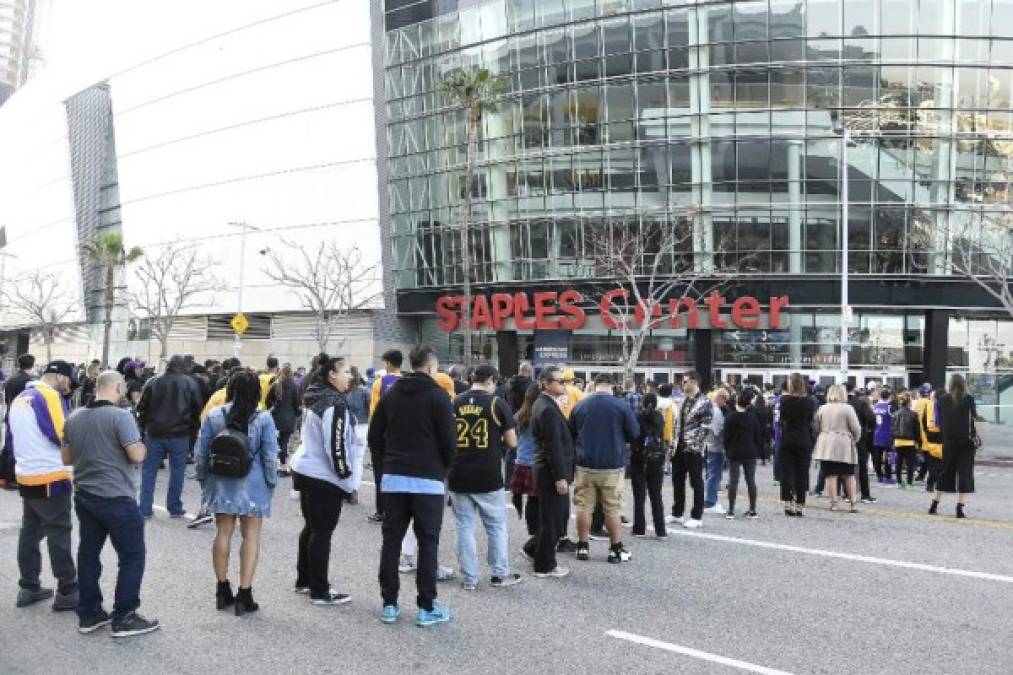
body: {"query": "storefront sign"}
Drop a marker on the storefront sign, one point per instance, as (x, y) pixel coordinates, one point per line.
(551, 310)
(551, 346)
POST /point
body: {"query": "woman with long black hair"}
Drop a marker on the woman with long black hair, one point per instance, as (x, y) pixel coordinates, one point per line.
(796, 420)
(327, 470)
(957, 413)
(246, 498)
(522, 481)
(647, 466)
(283, 402)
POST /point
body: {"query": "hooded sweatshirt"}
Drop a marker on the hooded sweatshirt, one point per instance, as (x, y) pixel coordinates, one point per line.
(413, 429)
(329, 450)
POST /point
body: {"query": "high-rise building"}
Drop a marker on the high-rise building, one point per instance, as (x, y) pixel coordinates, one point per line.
(17, 49)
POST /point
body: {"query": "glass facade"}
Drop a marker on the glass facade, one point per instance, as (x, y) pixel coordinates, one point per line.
(724, 116)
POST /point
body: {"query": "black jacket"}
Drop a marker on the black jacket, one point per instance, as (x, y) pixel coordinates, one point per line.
(170, 405)
(554, 453)
(743, 436)
(955, 418)
(866, 419)
(285, 408)
(797, 413)
(905, 425)
(413, 429)
(15, 385)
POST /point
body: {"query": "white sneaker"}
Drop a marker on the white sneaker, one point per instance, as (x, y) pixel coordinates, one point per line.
(558, 572)
(444, 573)
(407, 565)
(692, 524)
(717, 508)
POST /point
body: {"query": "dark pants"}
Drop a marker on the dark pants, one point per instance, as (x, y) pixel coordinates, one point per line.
(509, 459)
(906, 456)
(647, 480)
(119, 520)
(748, 468)
(687, 464)
(794, 473)
(320, 503)
(877, 462)
(283, 438)
(598, 518)
(863, 470)
(7, 464)
(933, 465)
(531, 521)
(49, 519)
(777, 462)
(377, 462)
(425, 514)
(551, 510)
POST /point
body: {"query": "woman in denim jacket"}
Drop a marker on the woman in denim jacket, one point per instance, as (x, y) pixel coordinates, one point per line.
(247, 498)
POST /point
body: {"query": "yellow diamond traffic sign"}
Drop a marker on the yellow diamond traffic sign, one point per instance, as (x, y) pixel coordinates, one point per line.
(239, 323)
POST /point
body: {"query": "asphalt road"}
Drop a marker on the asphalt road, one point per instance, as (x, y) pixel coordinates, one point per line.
(889, 590)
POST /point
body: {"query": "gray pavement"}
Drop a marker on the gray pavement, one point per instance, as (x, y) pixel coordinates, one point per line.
(905, 599)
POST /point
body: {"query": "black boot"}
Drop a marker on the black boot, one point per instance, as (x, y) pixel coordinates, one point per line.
(224, 595)
(960, 511)
(244, 601)
(933, 508)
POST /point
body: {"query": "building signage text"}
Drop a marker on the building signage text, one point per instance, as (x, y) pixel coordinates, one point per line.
(551, 310)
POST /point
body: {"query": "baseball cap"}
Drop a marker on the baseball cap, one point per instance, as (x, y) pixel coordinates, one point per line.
(925, 389)
(60, 368)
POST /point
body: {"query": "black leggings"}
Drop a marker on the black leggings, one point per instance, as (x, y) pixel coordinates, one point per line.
(794, 472)
(906, 456)
(748, 468)
(647, 480)
(321, 507)
(283, 439)
(877, 462)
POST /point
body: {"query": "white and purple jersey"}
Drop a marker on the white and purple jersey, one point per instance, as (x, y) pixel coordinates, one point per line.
(776, 417)
(883, 436)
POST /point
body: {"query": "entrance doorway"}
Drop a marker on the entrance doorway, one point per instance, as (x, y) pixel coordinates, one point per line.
(895, 379)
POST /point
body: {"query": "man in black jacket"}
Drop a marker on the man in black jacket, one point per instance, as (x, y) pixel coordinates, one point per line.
(867, 419)
(413, 432)
(553, 469)
(169, 412)
(14, 386)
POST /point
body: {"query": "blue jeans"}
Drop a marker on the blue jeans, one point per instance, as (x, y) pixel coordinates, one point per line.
(491, 508)
(158, 448)
(119, 520)
(715, 469)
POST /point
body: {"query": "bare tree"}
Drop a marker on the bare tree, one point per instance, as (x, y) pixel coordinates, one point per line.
(45, 301)
(648, 268)
(982, 251)
(170, 280)
(330, 280)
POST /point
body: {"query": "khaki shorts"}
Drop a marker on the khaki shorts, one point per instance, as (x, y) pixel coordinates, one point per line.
(593, 485)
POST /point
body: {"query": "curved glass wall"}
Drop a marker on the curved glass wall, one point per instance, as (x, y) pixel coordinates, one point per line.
(725, 116)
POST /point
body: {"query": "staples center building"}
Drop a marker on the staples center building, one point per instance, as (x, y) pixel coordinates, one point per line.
(729, 116)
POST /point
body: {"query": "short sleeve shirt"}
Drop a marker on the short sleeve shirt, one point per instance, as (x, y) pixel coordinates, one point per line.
(98, 436)
(482, 419)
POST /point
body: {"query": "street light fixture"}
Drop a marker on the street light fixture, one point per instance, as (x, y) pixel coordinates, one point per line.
(244, 227)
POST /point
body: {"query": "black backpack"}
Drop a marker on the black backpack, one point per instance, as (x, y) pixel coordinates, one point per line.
(229, 453)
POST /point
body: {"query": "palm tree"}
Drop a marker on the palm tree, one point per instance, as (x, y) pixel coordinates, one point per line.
(476, 91)
(107, 251)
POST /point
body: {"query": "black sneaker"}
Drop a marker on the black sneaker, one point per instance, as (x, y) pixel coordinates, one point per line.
(583, 551)
(566, 546)
(503, 582)
(618, 555)
(133, 624)
(332, 598)
(201, 519)
(869, 500)
(92, 624)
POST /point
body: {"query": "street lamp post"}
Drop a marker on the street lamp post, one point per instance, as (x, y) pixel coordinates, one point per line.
(244, 227)
(846, 314)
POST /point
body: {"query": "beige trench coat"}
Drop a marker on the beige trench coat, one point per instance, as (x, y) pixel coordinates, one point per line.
(838, 432)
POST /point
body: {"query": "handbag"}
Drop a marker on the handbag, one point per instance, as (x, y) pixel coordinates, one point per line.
(976, 441)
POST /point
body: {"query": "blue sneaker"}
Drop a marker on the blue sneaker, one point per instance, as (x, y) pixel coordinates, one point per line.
(390, 613)
(439, 614)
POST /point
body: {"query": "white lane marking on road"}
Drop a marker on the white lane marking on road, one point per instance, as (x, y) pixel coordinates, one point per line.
(695, 653)
(165, 510)
(953, 571)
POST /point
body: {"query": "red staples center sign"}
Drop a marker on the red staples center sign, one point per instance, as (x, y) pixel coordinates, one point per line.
(551, 310)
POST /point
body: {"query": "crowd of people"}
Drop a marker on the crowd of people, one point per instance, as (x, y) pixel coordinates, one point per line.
(470, 440)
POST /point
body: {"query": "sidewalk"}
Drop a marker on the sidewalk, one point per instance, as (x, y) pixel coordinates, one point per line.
(998, 444)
